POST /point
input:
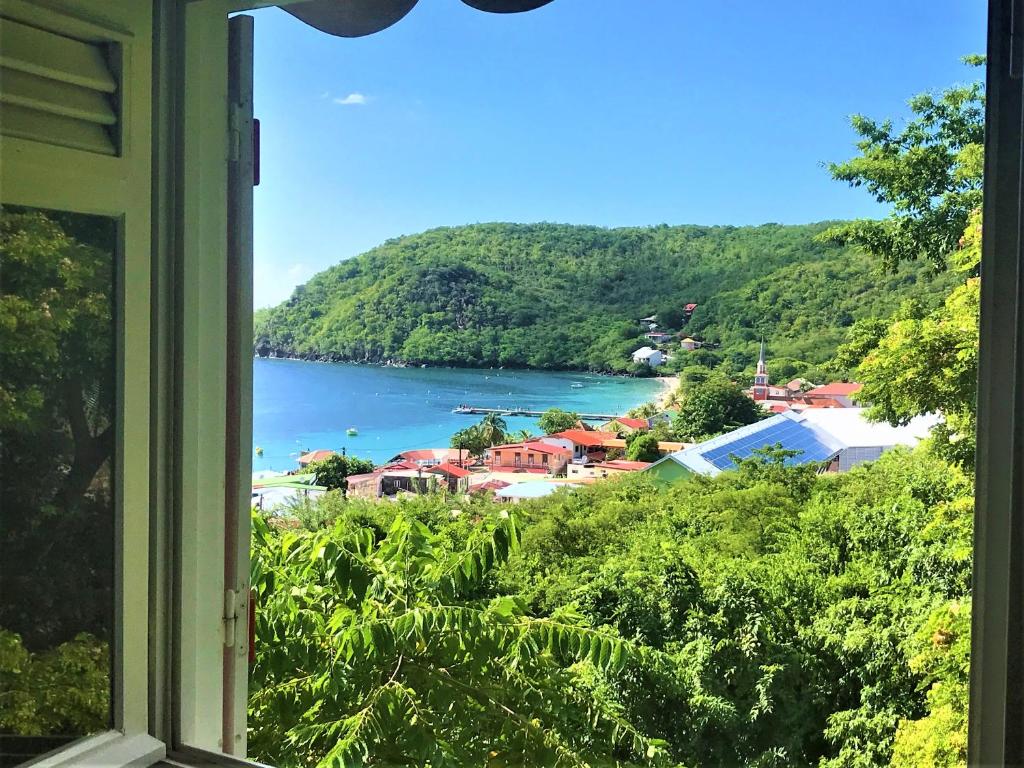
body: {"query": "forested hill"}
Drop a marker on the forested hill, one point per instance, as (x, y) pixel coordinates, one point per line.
(562, 296)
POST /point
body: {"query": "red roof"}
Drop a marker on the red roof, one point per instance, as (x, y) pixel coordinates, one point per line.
(690, 307)
(398, 465)
(626, 421)
(426, 454)
(778, 407)
(318, 455)
(451, 469)
(490, 485)
(825, 402)
(837, 389)
(588, 438)
(628, 466)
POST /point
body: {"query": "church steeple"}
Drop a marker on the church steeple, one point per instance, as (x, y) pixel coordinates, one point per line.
(760, 389)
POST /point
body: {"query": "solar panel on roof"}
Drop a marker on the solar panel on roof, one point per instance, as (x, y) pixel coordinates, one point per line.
(789, 434)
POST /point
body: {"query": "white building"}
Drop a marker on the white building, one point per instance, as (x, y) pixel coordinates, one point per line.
(649, 356)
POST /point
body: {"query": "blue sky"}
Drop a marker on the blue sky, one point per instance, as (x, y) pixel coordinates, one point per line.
(608, 112)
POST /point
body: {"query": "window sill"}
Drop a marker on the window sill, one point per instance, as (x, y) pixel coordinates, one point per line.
(188, 757)
(107, 750)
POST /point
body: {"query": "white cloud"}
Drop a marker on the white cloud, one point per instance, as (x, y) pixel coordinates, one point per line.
(352, 98)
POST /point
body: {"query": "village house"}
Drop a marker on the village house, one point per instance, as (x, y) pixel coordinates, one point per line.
(665, 447)
(318, 455)
(689, 344)
(429, 457)
(658, 337)
(688, 311)
(455, 477)
(583, 444)
(795, 395)
(838, 439)
(625, 425)
(839, 393)
(602, 469)
(531, 455)
(649, 356)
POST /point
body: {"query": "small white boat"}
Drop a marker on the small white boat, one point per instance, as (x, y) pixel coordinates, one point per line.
(351, 431)
(576, 385)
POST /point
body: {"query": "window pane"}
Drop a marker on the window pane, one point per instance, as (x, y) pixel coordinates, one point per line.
(57, 435)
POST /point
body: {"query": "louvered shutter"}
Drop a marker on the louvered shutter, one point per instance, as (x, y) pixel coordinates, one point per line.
(57, 90)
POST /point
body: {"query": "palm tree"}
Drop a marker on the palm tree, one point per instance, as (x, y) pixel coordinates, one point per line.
(492, 429)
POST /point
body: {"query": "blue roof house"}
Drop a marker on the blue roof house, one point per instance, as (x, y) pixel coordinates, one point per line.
(847, 437)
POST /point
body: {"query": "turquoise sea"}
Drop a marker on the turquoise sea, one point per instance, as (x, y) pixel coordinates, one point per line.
(300, 405)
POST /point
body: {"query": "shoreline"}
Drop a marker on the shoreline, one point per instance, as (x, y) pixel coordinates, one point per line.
(463, 366)
(669, 385)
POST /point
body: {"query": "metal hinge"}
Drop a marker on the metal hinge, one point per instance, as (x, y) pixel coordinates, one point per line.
(234, 132)
(230, 617)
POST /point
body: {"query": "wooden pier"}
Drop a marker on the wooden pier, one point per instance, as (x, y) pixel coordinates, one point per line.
(473, 410)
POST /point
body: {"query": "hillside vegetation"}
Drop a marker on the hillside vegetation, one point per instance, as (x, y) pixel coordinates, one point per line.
(562, 296)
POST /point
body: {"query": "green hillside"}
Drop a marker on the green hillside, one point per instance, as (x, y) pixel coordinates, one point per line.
(562, 296)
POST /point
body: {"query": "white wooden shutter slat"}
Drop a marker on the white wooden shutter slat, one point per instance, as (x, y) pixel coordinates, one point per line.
(54, 56)
(34, 92)
(56, 90)
(62, 131)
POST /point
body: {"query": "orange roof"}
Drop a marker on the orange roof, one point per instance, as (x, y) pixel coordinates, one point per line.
(626, 421)
(836, 389)
(451, 469)
(825, 402)
(588, 438)
(530, 446)
(628, 466)
(317, 455)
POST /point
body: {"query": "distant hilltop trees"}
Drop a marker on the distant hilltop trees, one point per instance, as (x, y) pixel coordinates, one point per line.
(555, 296)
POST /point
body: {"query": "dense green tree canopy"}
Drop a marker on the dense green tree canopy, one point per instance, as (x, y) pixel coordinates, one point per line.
(560, 296)
(642, 446)
(333, 470)
(713, 406)
(556, 420)
(930, 172)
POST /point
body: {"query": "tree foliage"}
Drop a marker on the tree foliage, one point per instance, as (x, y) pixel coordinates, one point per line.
(60, 690)
(333, 470)
(713, 406)
(560, 296)
(476, 439)
(386, 651)
(929, 172)
(556, 420)
(642, 446)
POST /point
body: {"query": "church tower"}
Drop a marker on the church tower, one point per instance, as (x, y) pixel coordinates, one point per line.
(760, 388)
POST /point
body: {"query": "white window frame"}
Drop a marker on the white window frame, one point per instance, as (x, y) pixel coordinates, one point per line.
(168, 190)
(37, 175)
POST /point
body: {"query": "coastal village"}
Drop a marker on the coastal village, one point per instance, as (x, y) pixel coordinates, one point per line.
(812, 423)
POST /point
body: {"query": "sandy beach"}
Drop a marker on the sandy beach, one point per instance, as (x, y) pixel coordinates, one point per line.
(669, 384)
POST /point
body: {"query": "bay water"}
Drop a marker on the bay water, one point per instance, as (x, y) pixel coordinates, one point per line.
(300, 405)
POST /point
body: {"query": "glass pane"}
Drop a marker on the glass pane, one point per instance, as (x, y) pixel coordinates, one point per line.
(57, 436)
